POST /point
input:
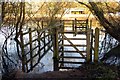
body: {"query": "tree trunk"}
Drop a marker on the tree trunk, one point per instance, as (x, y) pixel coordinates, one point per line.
(113, 30)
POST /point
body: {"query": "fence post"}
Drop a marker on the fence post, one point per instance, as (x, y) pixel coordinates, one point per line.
(1, 67)
(38, 33)
(87, 24)
(96, 45)
(90, 24)
(63, 26)
(31, 53)
(42, 26)
(22, 51)
(55, 49)
(62, 33)
(88, 45)
(73, 22)
(91, 46)
(75, 27)
(1, 14)
(44, 41)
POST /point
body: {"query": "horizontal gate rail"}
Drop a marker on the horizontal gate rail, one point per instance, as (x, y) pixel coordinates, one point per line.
(53, 38)
(73, 46)
(33, 49)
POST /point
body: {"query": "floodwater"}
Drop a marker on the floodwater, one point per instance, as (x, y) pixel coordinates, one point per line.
(46, 63)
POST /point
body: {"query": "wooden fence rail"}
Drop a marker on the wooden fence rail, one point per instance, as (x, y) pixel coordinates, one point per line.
(34, 44)
(39, 42)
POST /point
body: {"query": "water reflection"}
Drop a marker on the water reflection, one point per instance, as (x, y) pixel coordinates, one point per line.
(46, 63)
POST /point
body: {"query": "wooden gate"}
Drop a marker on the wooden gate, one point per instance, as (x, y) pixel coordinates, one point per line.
(39, 42)
(73, 52)
(74, 55)
(34, 44)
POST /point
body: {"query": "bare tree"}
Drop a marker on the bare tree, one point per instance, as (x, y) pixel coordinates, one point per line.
(108, 21)
(107, 17)
(11, 22)
(15, 17)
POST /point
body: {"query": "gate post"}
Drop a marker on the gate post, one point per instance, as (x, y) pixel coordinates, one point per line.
(96, 45)
(88, 44)
(55, 49)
